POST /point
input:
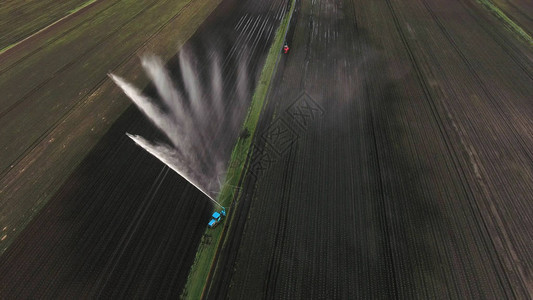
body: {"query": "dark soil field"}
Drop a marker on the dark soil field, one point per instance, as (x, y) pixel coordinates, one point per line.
(394, 160)
(519, 11)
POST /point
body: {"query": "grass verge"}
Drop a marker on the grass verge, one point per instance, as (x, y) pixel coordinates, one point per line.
(210, 241)
(508, 22)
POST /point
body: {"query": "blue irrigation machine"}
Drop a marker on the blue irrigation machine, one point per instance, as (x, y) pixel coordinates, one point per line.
(216, 218)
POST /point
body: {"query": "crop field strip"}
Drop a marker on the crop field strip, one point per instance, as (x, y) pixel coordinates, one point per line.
(10, 58)
(519, 11)
(115, 246)
(90, 237)
(418, 72)
(13, 16)
(106, 198)
(253, 31)
(515, 186)
(44, 146)
(431, 220)
(58, 74)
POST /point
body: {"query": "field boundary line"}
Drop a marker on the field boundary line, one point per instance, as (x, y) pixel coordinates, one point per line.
(73, 12)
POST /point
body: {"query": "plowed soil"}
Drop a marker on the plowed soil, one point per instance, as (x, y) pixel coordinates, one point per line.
(394, 160)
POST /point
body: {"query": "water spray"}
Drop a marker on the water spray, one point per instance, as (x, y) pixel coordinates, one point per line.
(200, 116)
(166, 160)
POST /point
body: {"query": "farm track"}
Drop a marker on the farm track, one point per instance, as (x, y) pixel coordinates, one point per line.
(414, 183)
(123, 225)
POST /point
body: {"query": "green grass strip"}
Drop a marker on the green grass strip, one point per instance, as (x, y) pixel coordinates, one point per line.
(510, 23)
(69, 13)
(210, 241)
(84, 5)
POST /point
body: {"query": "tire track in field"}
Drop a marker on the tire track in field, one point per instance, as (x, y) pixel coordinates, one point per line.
(475, 209)
(90, 92)
(384, 218)
(383, 213)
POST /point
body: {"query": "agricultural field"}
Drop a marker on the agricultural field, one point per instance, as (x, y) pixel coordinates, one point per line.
(394, 160)
(393, 157)
(21, 19)
(119, 223)
(57, 100)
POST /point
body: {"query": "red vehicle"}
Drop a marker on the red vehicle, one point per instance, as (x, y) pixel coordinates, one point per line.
(285, 48)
